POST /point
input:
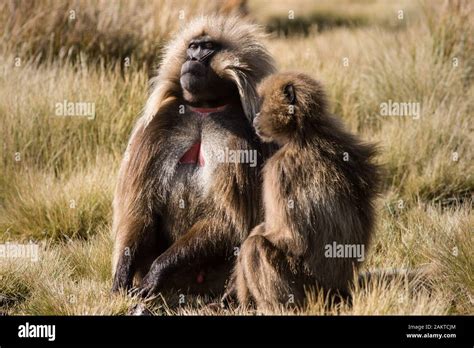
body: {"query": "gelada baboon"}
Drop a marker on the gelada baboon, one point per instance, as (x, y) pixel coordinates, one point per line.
(180, 208)
(318, 191)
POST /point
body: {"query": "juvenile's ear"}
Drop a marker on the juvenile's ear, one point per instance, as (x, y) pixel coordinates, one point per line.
(290, 94)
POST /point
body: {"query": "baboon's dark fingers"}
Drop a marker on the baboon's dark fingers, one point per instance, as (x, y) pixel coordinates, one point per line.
(148, 288)
(133, 291)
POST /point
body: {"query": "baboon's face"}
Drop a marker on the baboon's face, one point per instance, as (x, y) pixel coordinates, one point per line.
(277, 119)
(200, 83)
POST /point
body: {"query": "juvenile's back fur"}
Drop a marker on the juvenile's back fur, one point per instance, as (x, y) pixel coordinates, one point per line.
(318, 189)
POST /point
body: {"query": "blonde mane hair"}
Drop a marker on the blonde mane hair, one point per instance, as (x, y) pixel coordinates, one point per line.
(244, 60)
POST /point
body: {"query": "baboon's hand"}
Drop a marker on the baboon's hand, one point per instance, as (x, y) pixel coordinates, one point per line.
(148, 288)
(151, 283)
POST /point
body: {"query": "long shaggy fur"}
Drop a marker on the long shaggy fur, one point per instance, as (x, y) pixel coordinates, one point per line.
(221, 199)
(246, 62)
(318, 189)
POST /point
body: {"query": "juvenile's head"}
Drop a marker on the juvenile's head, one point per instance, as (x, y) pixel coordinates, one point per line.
(292, 104)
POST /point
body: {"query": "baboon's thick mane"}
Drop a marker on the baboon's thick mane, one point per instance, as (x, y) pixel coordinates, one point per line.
(246, 61)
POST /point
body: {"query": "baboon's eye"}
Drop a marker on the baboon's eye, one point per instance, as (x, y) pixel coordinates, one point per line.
(290, 95)
(209, 45)
(193, 46)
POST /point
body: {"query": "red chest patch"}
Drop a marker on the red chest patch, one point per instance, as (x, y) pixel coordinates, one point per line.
(193, 156)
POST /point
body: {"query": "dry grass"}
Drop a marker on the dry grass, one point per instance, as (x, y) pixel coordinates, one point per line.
(103, 32)
(303, 17)
(58, 173)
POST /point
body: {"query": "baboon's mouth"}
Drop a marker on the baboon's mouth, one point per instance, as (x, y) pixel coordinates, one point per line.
(262, 135)
(208, 110)
(194, 68)
(258, 131)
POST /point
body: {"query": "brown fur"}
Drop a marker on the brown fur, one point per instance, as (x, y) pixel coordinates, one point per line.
(332, 198)
(154, 235)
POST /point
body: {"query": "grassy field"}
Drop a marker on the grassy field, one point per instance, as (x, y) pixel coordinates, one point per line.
(58, 173)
